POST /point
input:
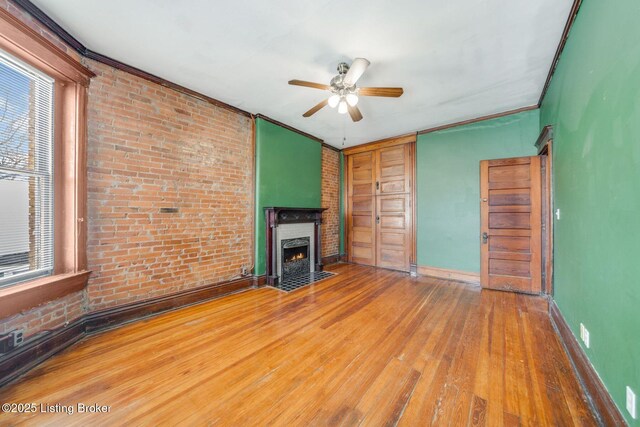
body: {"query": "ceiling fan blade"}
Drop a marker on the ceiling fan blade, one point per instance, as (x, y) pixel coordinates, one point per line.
(355, 71)
(355, 113)
(392, 92)
(315, 109)
(309, 84)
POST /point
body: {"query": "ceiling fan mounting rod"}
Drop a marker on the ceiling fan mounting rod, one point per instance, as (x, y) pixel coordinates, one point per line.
(343, 67)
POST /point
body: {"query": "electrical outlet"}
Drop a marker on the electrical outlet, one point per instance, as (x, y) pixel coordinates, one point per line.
(584, 335)
(11, 340)
(631, 402)
(18, 337)
(558, 214)
(243, 271)
(586, 338)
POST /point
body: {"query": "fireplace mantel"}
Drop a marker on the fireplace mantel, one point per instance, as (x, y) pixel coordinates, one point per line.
(275, 216)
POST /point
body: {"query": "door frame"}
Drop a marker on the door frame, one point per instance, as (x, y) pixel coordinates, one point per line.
(534, 164)
(544, 145)
(410, 139)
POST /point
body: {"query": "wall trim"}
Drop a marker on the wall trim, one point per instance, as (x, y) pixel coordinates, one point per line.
(330, 259)
(545, 136)
(563, 41)
(449, 274)
(478, 119)
(292, 129)
(387, 142)
(22, 359)
(121, 314)
(598, 396)
(20, 40)
(260, 281)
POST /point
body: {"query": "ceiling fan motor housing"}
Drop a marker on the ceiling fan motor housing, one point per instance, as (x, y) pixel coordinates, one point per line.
(337, 83)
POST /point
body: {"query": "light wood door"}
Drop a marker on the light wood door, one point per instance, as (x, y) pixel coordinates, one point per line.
(393, 231)
(361, 223)
(379, 207)
(393, 170)
(510, 215)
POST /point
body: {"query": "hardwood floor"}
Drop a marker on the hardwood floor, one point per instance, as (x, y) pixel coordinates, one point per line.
(368, 346)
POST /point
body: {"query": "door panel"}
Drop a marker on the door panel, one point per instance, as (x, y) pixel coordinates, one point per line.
(379, 215)
(393, 169)
(362, 174)
(362, 231)
(509, 244)
(361, 208)
(511, 218)
(394, 231)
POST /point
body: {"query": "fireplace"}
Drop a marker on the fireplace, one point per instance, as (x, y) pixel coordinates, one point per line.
(292, 243)
(295, 257)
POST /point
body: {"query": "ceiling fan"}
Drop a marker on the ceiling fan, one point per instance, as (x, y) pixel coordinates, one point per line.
(344, 92)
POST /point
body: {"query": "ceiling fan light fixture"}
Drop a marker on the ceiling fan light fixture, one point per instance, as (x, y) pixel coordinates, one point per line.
(334, 100)
(342, 107)
(343, 92)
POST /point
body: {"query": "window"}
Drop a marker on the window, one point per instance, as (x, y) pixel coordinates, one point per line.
(26, 172)
(43, 101)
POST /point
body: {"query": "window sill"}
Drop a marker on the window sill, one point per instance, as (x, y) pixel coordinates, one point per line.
(17, 298)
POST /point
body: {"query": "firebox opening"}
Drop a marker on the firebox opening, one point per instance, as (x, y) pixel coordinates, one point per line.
(295, 254)
(295, 257)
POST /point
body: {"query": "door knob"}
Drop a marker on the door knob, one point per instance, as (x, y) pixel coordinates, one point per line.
(377, 219)
(377, 185)
(485, 237)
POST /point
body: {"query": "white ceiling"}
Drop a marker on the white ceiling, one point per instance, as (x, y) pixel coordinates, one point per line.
(456, 60)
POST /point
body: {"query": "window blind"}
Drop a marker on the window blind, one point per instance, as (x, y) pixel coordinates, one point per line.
(26, 172)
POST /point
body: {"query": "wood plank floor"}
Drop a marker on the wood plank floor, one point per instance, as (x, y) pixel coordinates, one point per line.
(366, 347)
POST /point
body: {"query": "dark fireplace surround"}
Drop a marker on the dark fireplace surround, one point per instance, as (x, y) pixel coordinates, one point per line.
(275, 216)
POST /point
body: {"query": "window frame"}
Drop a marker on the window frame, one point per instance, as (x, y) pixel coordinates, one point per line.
(44, 224)
(71, 80)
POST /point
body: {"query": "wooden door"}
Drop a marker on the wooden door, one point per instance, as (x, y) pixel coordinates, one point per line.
(361, 223)
(379, 205)
(510, 217)
(393, 170)
(393, 233)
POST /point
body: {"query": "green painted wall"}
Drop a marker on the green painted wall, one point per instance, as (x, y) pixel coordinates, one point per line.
(341, 203)
(288, 173)
(593, 104)
(448, 187)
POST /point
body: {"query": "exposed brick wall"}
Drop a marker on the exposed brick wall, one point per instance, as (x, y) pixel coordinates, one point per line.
(47, 316)
(330, 200)
(151, 148)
